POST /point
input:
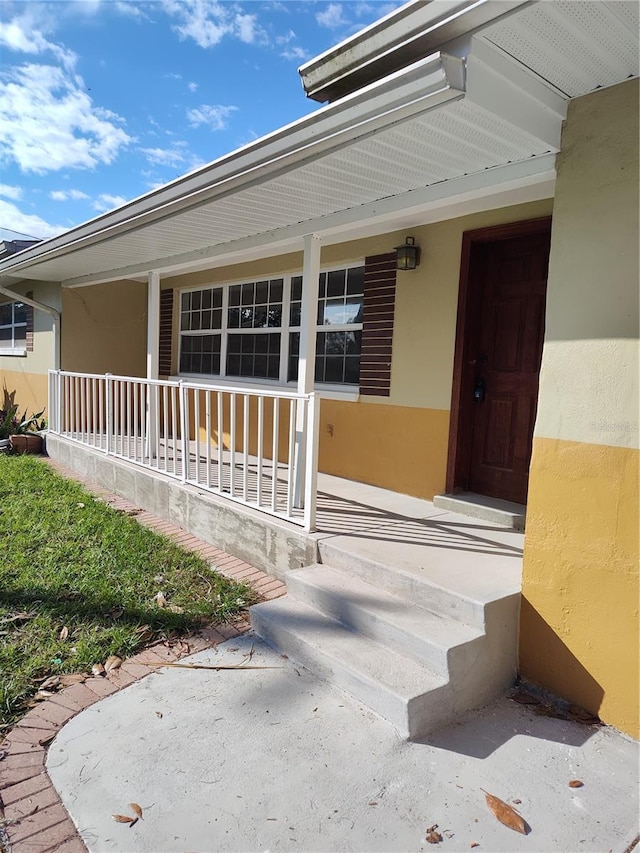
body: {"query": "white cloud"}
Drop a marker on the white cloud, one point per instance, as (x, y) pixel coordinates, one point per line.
(332, 16)
(246, 28)
(207, 22)
(174, 156)
(67, 195)
(49, 122)
(131, 10)
(192, 87)
(11, 192)
(215, 116)
(27, 223)
(296, 53)
(23, 35)
(106, 202)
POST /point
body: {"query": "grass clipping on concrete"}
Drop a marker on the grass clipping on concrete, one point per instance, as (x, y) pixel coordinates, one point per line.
(69, 561)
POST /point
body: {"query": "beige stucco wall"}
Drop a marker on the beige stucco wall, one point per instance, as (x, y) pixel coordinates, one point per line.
(104, 328)
(579, 626)
(27, 375)
(397, 442)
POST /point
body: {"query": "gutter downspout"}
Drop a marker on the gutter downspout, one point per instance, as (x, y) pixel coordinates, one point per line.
(39, 306)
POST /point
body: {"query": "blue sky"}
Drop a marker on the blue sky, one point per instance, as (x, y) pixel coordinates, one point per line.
(103, 100)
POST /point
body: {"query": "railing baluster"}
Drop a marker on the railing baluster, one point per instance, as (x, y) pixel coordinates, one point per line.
(245, 446)
(291, 468)
(196, 435)
(311, 463)
(274, 458)
(260, 450)
(220, 440)
(134, 392)
(232, 444)
(109, 410)
(207, 400)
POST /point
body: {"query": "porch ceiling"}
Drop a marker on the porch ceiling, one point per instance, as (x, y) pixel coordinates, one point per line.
(430, 126)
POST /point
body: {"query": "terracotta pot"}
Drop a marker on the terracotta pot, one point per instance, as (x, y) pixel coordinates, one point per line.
(29, 442)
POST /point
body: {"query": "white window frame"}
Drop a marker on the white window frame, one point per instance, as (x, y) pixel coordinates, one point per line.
(12, 349)
(284, 331)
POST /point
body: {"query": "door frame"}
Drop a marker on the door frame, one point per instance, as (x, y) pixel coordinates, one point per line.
(460, 424)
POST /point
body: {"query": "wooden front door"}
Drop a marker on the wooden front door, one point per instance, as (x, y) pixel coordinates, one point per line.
(501, 350)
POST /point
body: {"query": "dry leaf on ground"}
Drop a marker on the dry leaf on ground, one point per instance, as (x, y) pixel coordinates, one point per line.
(136, 808)
(41, 695)
(50, 683)
(161, 601)
(112, 662)
(73, 678)
(123, 818)
(576, 783)
(159, 714)
(98, 669)
(505, 813)
(175, 608)
(64, 633)
(434, 837)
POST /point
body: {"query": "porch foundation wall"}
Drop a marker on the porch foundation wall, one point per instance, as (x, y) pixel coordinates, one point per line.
(270, 545)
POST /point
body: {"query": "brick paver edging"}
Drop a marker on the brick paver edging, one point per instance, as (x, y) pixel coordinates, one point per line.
(32, 816)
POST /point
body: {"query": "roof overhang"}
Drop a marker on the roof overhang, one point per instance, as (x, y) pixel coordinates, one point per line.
(442, 137)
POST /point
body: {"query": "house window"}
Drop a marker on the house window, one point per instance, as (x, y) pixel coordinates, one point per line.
(252, 330)
(13, 326)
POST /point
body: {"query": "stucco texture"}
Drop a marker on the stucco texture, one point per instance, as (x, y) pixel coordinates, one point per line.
(579, 630)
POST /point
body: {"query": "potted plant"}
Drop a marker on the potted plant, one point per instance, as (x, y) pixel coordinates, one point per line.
(25, 438)
(8, 425)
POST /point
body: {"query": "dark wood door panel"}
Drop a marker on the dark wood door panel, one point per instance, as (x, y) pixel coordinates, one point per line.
(509, 278)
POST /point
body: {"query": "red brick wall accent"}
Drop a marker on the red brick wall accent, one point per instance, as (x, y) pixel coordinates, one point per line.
(166, 332)
(377, 328)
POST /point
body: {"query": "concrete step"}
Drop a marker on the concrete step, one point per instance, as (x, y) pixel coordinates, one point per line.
(505, 513)
(407, 582)
(434, 640)
(408, 694)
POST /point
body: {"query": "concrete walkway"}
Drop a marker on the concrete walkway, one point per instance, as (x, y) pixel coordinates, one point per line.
(273, 759)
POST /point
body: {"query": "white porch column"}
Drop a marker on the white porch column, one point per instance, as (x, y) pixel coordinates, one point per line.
(153, 361)
(153, 324)
(307, 357)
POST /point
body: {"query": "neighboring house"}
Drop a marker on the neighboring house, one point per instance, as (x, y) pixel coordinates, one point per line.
(503, 139)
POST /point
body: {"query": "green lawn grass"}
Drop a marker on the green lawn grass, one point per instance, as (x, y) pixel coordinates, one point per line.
(68, 560)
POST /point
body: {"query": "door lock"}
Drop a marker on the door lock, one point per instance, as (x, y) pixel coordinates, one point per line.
(479, 390)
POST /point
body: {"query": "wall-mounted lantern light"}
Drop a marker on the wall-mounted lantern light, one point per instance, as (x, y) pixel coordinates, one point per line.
(407, 256)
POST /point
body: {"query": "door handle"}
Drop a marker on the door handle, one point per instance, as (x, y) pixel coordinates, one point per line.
(479, 390)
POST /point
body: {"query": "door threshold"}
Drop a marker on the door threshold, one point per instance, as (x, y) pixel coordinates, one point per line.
(505, 513)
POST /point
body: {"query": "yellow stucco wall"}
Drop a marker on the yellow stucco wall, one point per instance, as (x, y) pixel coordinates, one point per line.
(104, 328)
(27, 375)
(579, 630)
(397, 442)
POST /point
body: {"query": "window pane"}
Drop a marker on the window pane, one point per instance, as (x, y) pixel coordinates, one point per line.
(262, 292)
(246, 318)
(206, 319)
(206, 299)
(247, 294)
(274, 317)
(233, 318)
(184, 321)
(196, 299)
(217, 298)
(234, 295)
(354, 309)
(260, 317)
(336, 283)
(5, 335)
(19, 312)
(296, 288)
(333, 369)
(352, 369)
(334, 313)
(355, 281)
(323, 284)
(259, 356)
(216, 318)
(275, 290)
(200, 354)
(294, 314)
(195, 320)
(186, 301)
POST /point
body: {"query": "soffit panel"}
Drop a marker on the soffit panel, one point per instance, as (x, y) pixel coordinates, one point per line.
(446, 143)
(576, 45)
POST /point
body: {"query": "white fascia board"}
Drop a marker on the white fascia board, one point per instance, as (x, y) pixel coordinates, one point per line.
(417, 27)
(500, 186)
(432, 81)
(523, 102)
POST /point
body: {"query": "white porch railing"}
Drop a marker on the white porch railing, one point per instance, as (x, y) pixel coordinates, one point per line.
(252, 446)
